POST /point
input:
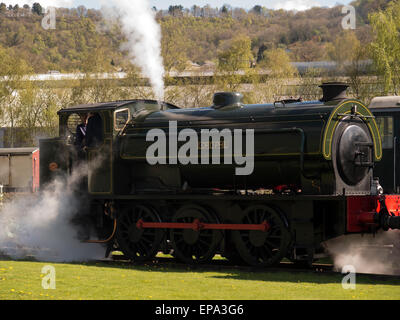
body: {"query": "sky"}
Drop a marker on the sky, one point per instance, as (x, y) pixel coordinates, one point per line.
(164, 4)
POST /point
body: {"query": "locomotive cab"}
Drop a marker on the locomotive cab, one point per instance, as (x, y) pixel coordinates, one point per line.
(387, 115)
(61, 154)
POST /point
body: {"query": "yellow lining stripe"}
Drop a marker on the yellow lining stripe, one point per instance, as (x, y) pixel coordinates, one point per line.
(327, 147)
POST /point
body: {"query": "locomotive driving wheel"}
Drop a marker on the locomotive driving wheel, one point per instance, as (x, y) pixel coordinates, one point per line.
(138, 244)
(262, 248)
(194, 246)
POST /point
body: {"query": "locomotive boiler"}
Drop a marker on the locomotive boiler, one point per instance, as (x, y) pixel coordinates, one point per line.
(323, 147)
(254, 183)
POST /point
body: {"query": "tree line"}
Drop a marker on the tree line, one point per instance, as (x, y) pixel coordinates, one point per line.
(80, 44)
(190, 35)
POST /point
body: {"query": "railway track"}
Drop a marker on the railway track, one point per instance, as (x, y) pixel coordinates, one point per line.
(215, 265)
(218, 264)
(225, 265)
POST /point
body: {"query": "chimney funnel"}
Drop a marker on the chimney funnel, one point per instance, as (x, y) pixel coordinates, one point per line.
(333, 91)
(225, 99)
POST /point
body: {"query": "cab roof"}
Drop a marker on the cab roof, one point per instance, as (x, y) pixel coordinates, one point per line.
(113, 105)
(385, 102)
(17, 151)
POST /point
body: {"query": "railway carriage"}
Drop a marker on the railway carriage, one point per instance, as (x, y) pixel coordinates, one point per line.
(312, 177)
(19, 169)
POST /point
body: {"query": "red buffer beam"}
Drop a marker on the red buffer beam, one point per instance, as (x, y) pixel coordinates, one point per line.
(196, 225)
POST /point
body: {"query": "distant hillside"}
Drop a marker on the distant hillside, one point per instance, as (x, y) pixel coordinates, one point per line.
(75, 42)
(82, 42)
(365, 7)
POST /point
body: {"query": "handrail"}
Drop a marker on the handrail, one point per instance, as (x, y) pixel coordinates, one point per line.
(106, 240)
(394, 162)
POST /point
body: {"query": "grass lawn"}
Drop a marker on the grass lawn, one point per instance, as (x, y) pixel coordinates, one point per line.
(118, 280)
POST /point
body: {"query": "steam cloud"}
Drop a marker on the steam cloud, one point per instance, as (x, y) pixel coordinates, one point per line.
(367, 253)
(144, 38)
(40, 226)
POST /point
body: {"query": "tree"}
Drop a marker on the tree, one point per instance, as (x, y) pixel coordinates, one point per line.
(176, 11)
(37, 8)
(209, 12)
(257, 9)
(365, 7)
(343, 49)
(173, 45)
(277, 62)
(12, 69)
(308, 51)
(196, 11)
(3, 7)
(226, 9)
(238, 56)
(234, 63)
(82, 11)
(349, 54)
(385, 48)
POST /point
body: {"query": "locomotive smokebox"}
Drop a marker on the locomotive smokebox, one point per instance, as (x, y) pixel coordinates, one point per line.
(225, 99)
(333, 91)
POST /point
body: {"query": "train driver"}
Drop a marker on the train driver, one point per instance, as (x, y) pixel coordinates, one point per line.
(94, 130)
(81, 132)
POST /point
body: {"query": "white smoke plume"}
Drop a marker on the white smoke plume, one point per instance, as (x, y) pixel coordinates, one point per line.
(144, 38)
(379, 254)
(39, 226)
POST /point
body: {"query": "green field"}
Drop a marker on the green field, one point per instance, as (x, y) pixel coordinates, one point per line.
(118, 280)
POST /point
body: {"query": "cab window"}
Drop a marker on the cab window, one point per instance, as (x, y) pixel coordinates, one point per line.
(72, 122)
(385, 126)
(121, 117)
